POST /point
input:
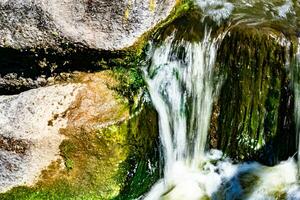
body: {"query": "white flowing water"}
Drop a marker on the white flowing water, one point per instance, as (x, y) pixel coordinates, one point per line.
(182, 82)
(181, 85)
(182, 91)
(218, 10)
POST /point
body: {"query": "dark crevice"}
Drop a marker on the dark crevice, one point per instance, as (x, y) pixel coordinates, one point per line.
(27, 69)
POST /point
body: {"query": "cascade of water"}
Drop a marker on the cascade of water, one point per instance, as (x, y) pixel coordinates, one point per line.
(180, 80)
(218, 10)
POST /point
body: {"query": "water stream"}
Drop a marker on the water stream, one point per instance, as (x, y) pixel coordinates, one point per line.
(183, 83)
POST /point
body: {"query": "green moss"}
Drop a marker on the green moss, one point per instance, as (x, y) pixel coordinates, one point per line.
(98, 163)
(69, 164)
(205, 198)
(92, 169)
(251, 95)
(143, 162)
(66, 148)
(60, 191)
(130, 82)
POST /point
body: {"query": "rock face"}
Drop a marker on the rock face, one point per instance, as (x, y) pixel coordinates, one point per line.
(24, 120)
(255, 104)
(31, 125)
(252, 117)
(76, 140)
(96, 24)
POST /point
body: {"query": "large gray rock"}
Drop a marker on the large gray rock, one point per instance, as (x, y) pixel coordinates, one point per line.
(97, 24)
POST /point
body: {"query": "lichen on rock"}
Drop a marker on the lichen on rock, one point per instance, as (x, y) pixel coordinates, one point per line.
(255, 95)
(24, 121)
(81, 141)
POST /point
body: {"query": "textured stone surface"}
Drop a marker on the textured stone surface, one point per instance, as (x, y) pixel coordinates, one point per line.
(254, 116)
(32, 122)
(24, 122)
(97, 24)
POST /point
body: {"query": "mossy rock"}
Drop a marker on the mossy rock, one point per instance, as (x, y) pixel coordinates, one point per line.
(255, 120)
(108, 163)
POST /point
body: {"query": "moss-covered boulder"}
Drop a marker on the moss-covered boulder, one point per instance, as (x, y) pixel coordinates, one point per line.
(105, 150)
(254, 113)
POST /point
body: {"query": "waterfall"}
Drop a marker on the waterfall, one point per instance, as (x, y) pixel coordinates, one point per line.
(181, 84)
(183, 81)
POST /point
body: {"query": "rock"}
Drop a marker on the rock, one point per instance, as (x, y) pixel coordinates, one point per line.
(76, 140)
(252, 117)
(255, 107)
(31, 125)
(96, 24)
(14, 83)
(24, 121)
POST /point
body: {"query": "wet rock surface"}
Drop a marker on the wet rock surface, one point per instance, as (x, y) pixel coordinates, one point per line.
(256, 102)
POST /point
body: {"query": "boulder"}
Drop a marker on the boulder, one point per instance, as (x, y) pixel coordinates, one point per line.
(32, 125)
(77, 140)
(95, 24)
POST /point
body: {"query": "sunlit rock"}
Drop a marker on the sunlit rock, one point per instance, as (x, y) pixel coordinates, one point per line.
(96, 24)
(33, 121)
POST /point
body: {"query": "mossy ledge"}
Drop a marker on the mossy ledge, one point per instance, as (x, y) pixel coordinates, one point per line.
(100, 164)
